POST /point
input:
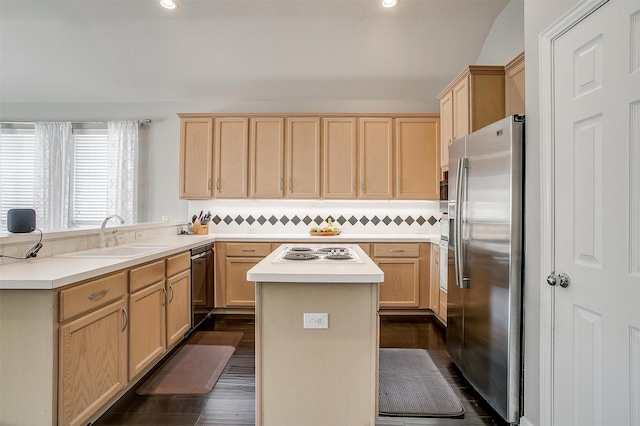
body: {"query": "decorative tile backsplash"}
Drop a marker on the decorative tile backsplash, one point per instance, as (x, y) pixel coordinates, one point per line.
(288, 216)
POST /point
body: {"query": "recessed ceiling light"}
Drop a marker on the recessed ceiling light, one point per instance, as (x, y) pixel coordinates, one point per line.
(169, 4)
(389, 3)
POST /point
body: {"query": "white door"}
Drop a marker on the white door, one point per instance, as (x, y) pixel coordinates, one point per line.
(596, 358)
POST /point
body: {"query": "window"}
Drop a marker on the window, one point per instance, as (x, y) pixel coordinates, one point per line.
(89, 203)
(16, 170)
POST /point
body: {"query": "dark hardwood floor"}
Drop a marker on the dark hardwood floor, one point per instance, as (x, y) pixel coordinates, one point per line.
(231, 402)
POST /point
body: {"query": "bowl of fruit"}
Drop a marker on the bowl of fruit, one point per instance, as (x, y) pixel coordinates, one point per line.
(326, 231)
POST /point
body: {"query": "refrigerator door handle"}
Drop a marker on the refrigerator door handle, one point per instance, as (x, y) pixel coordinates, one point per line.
(461, 195)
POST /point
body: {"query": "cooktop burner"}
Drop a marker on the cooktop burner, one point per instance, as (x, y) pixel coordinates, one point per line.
(318, 254)
(296, 255)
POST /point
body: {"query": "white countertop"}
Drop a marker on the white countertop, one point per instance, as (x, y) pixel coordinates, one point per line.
(50, 273)
(314, 271)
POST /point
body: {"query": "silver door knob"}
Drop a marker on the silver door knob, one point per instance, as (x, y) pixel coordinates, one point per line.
(561, 279)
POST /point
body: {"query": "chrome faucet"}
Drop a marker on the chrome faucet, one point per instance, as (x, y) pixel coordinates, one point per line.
(101, 242)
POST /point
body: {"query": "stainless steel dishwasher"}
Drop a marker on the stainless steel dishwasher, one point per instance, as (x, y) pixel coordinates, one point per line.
(201, 283)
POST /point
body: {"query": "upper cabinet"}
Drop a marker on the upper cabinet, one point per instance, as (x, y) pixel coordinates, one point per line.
(196, 158)
(266, 157)
(303, 156)
(339, 155)
(514, 86)
(375, 147)
(231, 143)
(416, 157)
(475, 98)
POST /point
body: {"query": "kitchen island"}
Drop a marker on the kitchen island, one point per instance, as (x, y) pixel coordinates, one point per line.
(317, 336)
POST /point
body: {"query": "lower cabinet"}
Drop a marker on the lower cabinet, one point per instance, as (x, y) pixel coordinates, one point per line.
(406, 274)
(233, 260)
(147, 332)
(178, 306)
(434, 275)
(92, 362)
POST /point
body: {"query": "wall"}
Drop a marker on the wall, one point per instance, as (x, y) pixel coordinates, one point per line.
(539, 14)
(506, 38)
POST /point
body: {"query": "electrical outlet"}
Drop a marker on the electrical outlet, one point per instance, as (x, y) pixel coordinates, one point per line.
(316, 320)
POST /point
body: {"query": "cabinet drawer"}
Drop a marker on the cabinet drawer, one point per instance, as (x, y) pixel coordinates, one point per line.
(92, 294)
(396, 250)
(178, 263)
(248, 249)
(146, 275)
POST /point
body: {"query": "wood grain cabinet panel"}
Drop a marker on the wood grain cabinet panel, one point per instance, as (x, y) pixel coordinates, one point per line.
(339, 157)
(417, 158)
(476, 98)
(375, 150)
(147, 329)
(178, 306)
(434, 279)
(406, 274)
(92, 362)
(302, 157)
(231, 147)
(266, 157)
(92, 294)
(446, 129)
(196, 158)
(514, 86)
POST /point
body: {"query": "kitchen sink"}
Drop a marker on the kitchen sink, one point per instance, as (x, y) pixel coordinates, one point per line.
(119, 251)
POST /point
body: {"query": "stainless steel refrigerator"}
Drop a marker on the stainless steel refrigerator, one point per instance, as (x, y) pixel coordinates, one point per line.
(484, 317)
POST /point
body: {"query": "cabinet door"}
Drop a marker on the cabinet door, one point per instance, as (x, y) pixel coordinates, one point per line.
(196, 158)
(147, 330)
(266, 157)
(417, 158)
(401, 286)
(178, 306)
(231, 154)
(339, 157)
(446, 129)
(434, 279)
(302, 157)
(375, 143)
(461, 105)
(239, 291)
(92, 362)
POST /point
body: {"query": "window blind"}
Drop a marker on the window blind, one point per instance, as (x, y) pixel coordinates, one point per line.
(17, 150)
(89, 202)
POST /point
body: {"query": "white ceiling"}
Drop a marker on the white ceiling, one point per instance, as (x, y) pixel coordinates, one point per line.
(135, 51)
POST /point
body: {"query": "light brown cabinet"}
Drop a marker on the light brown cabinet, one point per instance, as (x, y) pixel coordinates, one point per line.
(475, 98)
(375, 151)
(406, 278)
(339, 157)
(233, 260)
(147, 331)
(382, 156)
(231, 148)
(434, 279)
(514, 86)
(417, 153)
(178, 312)
(92, 362)
(196, 158)
(266, 157)
(302, 157)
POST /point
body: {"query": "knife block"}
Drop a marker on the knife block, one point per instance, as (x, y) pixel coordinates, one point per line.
(200, 229)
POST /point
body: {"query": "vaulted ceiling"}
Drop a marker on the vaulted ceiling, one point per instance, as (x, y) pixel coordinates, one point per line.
(135, 51)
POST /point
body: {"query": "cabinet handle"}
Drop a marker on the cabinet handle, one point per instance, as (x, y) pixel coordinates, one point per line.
(281, 184)
(396, 251)
(218, 184)
(164, 299)
(172, 293)
(362, 185)
(209, 184)
(353, 186)
(126, 319)
(437, 258)
(290, 184)
(98, 295)
(248, 250)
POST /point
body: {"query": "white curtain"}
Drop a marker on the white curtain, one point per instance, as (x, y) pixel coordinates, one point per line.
(53, 180)
(123, 175)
